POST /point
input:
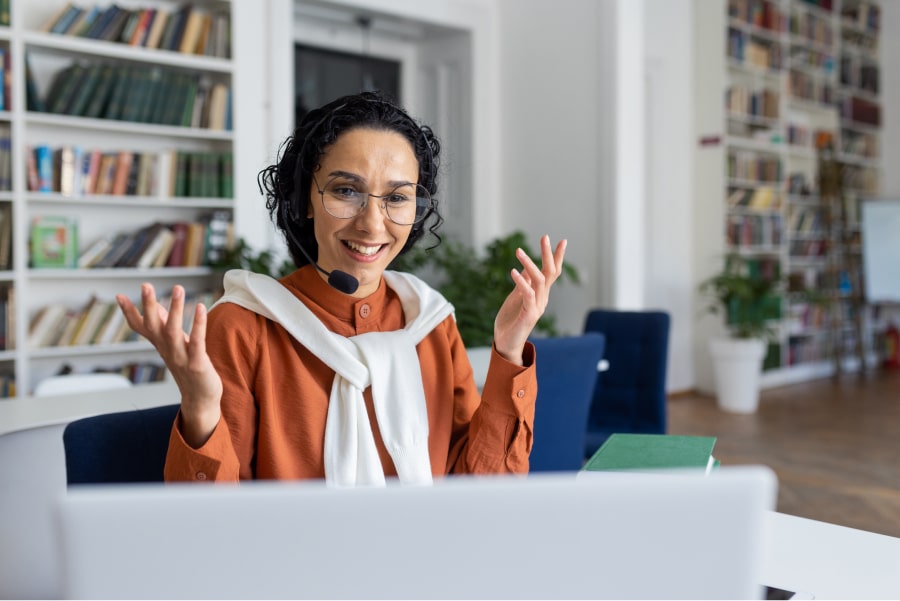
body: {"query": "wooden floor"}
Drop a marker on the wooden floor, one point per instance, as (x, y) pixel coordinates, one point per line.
(834, 443)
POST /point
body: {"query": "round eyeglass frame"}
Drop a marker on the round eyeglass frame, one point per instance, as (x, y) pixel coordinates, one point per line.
(421, 214)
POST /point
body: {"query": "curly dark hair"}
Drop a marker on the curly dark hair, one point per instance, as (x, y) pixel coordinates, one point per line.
(286, 184)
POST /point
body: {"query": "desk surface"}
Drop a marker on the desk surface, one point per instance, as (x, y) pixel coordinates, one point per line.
(830, 561)
(35, 412)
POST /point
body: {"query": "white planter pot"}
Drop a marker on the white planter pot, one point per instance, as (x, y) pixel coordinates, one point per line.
(737, 364)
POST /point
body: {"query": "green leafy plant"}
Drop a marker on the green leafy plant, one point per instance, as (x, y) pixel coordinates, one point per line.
(476, 284)
(242, 256)
(749, 300)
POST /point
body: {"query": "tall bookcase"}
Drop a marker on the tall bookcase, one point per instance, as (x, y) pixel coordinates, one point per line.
(37, 57)
(802, 76)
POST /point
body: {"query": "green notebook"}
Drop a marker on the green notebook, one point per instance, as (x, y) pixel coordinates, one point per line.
(653, 452)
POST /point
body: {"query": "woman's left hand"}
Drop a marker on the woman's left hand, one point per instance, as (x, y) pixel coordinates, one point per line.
(526, 303)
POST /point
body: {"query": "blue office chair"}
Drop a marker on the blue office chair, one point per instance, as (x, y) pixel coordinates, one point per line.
(566, 377)
(129, 446)
(631, 394)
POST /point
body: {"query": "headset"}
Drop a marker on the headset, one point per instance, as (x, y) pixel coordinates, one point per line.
(291, 212)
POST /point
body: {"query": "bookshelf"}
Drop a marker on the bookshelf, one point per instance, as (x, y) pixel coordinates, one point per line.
(801, 75)
(113, 170)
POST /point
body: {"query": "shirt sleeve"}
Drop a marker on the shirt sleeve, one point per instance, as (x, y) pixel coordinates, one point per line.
(232, 336)
(497, 437)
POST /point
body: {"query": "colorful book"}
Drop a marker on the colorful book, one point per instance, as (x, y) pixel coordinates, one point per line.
(643, 452)
(54, 242)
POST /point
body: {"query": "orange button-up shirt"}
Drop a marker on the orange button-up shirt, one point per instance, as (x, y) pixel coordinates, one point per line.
(276, 392)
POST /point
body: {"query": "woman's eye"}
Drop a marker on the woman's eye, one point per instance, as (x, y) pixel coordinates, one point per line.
(344, 193)
(397, 198)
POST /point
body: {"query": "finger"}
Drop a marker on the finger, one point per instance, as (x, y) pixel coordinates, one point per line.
(524, 286)
(529, 266)
(132, 315)
(197, 341)
(549, 265)
(176, 313)
(560, 253)
(152, 319)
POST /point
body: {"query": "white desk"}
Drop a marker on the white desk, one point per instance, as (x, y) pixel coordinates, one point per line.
(829, 561)
(36, 412)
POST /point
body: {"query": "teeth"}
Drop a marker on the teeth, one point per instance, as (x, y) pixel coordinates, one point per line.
(363, 250)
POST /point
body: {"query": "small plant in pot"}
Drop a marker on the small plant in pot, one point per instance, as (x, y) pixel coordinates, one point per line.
(748, 299)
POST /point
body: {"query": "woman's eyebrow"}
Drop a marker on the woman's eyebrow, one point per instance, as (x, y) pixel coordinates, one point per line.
(346, 174)
(357, 178)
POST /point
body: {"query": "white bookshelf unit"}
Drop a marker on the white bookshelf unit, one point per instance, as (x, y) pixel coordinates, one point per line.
(97, 212)
(799, 75)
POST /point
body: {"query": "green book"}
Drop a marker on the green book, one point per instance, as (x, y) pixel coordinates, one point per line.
(653, 452)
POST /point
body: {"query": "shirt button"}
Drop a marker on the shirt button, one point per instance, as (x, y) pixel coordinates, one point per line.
(364, 310)
(200, 475)
(520, 394)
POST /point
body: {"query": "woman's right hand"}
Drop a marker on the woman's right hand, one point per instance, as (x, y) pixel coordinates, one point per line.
(184, 355)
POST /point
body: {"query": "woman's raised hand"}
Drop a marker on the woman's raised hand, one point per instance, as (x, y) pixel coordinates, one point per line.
(526, 303)
(184, 355)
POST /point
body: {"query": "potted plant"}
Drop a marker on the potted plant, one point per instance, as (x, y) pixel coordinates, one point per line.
(748, 300)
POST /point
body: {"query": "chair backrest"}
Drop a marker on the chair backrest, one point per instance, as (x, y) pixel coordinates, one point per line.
(71, 383)
(566, 376)
(129, 446)
(631, 394)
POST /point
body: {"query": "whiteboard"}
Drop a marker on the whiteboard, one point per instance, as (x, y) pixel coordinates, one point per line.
(881, 250)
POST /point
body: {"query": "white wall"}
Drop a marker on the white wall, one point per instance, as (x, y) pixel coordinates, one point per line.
(598, 150)
(669, 233)
(555, 168)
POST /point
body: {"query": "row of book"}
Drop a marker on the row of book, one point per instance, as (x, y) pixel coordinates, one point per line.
(811, 27)
(751, 52)
(135, 93)
(860, 144)
(201, 174)
(764, 14)
(811, 88)
(97, 322)
(762, 198)
(752, 166)
(188, 29)
(758, 103)
(74, 171)
(861, 74)
(808, 249)
(54, 244)
(753, 230)
(7, 386)
(864, 14)
(806, 220)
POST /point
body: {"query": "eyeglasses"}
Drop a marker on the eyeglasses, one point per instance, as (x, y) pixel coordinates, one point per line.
(346, 197)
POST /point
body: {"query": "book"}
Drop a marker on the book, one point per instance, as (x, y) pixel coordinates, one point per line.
(643, 452)
(44, 325)
(43, 156)
(54, 242)
(5, 236)
(156, 28)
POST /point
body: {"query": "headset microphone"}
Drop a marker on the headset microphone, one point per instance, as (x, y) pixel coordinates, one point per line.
(339, 280)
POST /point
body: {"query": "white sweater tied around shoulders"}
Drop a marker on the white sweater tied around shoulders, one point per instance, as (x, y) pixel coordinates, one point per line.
(386, 361)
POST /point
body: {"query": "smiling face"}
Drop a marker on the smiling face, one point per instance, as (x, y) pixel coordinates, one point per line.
(365, 245)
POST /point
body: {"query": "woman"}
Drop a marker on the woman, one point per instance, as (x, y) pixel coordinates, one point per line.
(343, 370)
